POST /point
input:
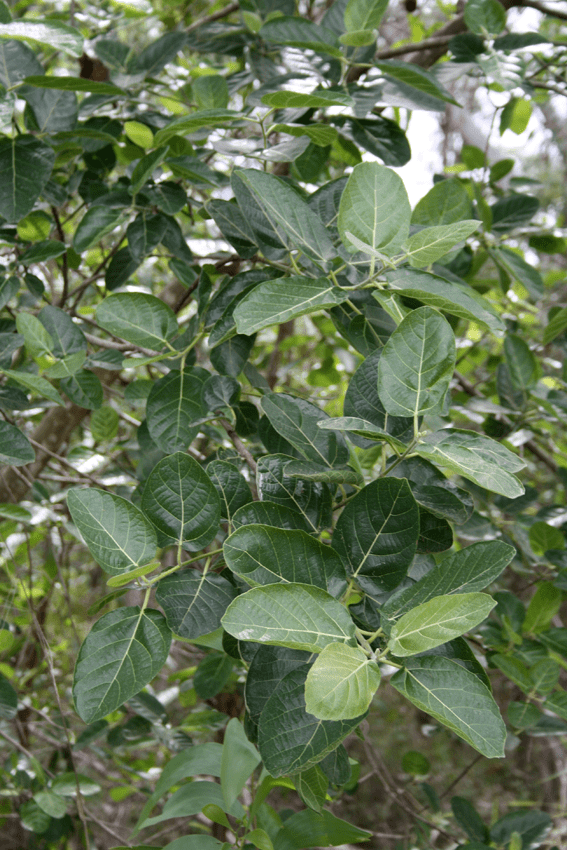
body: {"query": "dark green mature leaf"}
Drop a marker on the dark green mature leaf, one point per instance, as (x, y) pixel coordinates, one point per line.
(532, 826)
(182, 502)
(17, 61)
(522, 363)
(270, 513)
(296, 420)
(145, 233)
(67, 337)
(189, 800)
(376, 534)
(53, 34)
(276, 301)
(438, 621)
(447, 296)
(95, 224)
(123, 651)
(280, 216)
(362, 428)
(433, 491)
(268, 667)
(35, 384)
(296, 615)
(263, 555)
(513, 211)
(299, 32)
(118, 535)
(8, 699)
(455, 697)
(375, 208)
(341, 683)
(407, 82)
(476, 457)
(54, 111)
(383, 138)
(25, 167)
(233, 226)
(231, 486)
(309, 471)
(138, 318)
(520, 270)
(211, 675)
(174, 405)
(309, 829)
(84, 389)
(417, 364)
(469, 820)
(435, 533)
(290, 739)
(69, 83)
(193, 603)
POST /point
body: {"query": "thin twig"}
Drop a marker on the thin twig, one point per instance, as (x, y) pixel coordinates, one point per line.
(439, 41)
(64, 266)
(216, 16)
(66, 463)
(462, 774)
(239, 445)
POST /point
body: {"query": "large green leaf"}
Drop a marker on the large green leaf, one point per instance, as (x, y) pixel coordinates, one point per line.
(53, 34)
(363, 402)
(310, 829)
(231, 486)
(438, 621)
(67, 337)
(311, 499)
(433, 491)
(455, 697)
(470, 569)
(193, 602)
(296, 420)
(137, 317)
(54, 111)
(383, 138)
(15, 448)
(174, 406)
(375, 208)
(270, 513)
(417, 364)
(145, 233)
(280, 216)
(263, 555)
(485, 16)
(94, 225)
(196, 121)
(268, 667)
(118, 535)
(25, 167)
(296, 615)
(289, 738)
(17, 61)
(517, 267)
(182, 502)
(239, 759)
(189, 800)
(123, 651)
(446, 202)
(376, 534)
(476, 457)
(341, 683)
(276, 301)
(38, 340)
(299, 32)
(445, 295)
(430, 244)
(35, 384)
(364, 14)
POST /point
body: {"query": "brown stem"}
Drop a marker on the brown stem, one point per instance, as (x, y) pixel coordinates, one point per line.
(216, 16)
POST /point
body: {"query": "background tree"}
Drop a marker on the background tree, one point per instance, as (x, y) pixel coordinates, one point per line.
(283, 466)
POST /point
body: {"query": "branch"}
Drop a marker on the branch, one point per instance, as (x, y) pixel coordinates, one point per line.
(554, 13)
(549, 87)
(438, 41)
(216, 16)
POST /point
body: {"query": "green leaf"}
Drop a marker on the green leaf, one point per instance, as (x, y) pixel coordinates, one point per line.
(193, 603)
(296, 615)
(456, 698)
(212, 675)
(383, 138)
(69, 83)
(270, 513)
(309, 829)
(8, 699)
(318, 99)
(311, 785)
(196, 121)
(470, 569)
(320, 134)
(84, 389)
(310, 499)
(239, 759)
(522, 364)
(116, 532)
(485, 17)
(94, 225)
(25, 167)
(309, 471)
(53, 34)
(15, 448)
(429, 245)
(231, 486)
(201, 759)
(53, 111)
(375, 208)
(233, 226)
(268, 667)
(280, 216)
(138, 318)
(434, 492)
(174, 406)
(276, 301)
(543, 537)
(376, 534)
(409, 85)
(362, 428)
(125, 578)
(438, 621)
(123, 651)
(38, 340)
(362, 400)
(52, 804)
(341, 683)
(145, 233)
(296, 420)
(104, 423)
(17, 61)
(35, 384)
(532, 827)
(557, 324)
(190, 800)
(476, 457)
(447, 296)
(364, 14)
(447, 202)
(544, 605)
(519, 269)
(514, 211)
(181, 501)
(67, 367)
(290, 739)
(417, 364)
(469, 820)
(299, 32)
(50, 249)
(262, 555)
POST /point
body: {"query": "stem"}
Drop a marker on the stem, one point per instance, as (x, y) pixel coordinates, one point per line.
(151, 581)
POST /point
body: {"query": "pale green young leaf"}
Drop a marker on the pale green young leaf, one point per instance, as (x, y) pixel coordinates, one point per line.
(276, 301)
(364, 14)
(438, 621)
(375, 208)
(296, 615)
(239, 759)
(429, 245)
(318, 99)
(417, 364)
(341, 683)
